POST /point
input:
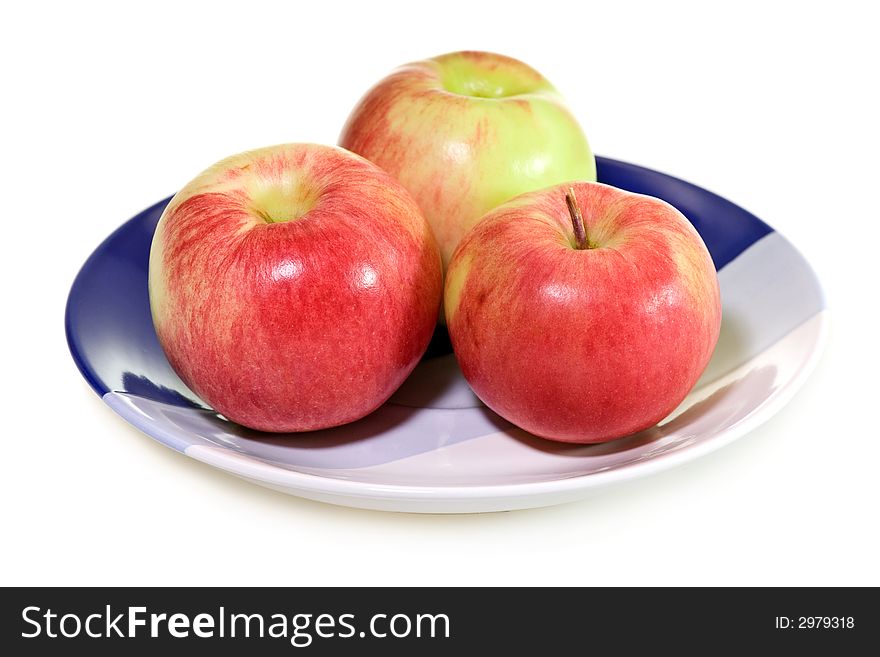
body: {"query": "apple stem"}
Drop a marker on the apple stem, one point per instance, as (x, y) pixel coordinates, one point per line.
(577, 221)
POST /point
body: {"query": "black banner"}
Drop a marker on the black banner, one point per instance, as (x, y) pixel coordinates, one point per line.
(434, 621)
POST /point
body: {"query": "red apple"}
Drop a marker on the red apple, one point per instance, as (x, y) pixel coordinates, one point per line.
(583, 314)
(465, 132)
(294, 287)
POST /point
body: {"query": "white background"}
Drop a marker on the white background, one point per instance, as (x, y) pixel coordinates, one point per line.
(109, 108)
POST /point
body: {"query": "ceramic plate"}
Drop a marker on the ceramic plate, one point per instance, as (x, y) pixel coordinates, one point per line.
(434, 447)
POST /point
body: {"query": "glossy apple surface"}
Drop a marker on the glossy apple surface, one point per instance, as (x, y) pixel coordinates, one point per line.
(294, 287)
(465, 132)
(583, 344)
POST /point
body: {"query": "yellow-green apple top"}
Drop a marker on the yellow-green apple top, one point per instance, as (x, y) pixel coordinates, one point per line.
(465, 132)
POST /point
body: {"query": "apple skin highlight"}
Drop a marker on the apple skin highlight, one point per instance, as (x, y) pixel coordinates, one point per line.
(465, 132)
(589, 345)
(294, 287)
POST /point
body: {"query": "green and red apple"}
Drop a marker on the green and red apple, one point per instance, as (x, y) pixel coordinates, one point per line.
(583, 314)
(294, 287)
(465, 132)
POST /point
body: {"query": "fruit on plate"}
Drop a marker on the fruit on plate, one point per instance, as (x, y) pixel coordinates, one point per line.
(583, 313)
(465, 132)
(294, 287)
